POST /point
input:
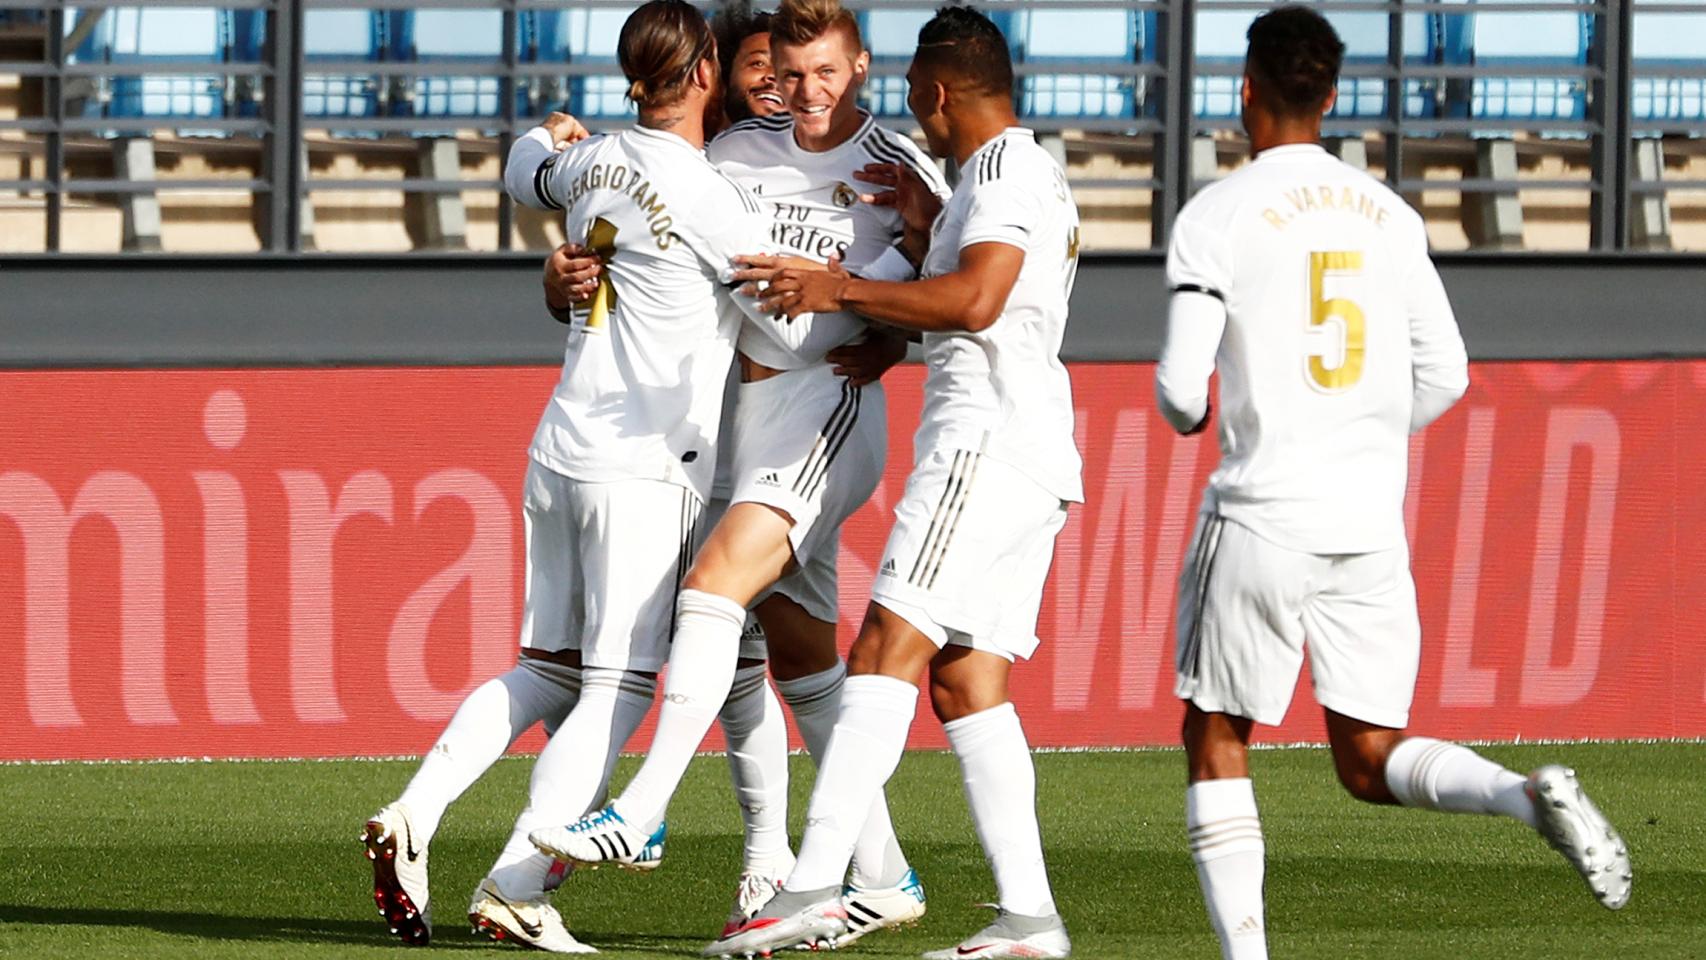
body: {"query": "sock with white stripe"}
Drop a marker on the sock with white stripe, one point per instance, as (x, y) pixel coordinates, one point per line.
(1226, 843)
(757, 736)
(487, 722)
(1438, 775)
(876, 712)
(702, 664)
(1001, 788)
(573, 772)
(815, 701)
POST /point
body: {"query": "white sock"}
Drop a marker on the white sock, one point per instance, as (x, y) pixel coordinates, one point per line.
(757, 736)
(876, 712)
(815, 701)
(1437, 775)
(573, 772)
(484, 726)
(1226, 843)
(1001, 787)
(701, 671)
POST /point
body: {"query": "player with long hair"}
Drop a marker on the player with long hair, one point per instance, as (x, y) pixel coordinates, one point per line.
(807, 445)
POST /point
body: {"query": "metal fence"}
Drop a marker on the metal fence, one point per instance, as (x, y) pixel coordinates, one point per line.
(1157, 76)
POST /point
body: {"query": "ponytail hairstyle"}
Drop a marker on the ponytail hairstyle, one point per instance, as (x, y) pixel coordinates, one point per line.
(660, 45)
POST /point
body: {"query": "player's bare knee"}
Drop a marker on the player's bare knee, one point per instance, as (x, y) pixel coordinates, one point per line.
(1363, 775)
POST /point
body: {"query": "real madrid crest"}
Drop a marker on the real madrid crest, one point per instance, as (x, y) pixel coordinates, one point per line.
(844, 195)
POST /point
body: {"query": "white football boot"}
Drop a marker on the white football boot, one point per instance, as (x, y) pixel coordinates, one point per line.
(753, 891)
(1012, 935)
(879, 908)
(1575, 828)
(530, 923)
(809, 918)
(399, 874)
(600, 837)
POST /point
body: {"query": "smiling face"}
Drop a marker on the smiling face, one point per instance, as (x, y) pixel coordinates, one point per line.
(820, 82)
(752, 83)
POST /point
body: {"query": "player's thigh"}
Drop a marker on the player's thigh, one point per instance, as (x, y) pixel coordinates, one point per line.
(1240, 622)
(1365, 639)
(552, 582)
(969, 551)
(636, 539)
(753, 644)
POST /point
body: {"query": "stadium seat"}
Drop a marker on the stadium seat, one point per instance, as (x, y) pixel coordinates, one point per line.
(1366, 39)
(1670, 40)
(445, 39)
(582, 36)
(136, 35)
(342, 35)
(1040, 34)
(892, 37)
(1506, 39)
(1221, 42)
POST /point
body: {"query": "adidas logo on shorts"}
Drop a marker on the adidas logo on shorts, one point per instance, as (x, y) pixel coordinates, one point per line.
(769, 480)
(888, 569)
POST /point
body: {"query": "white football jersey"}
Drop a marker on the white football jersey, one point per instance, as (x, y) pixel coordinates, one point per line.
(641, 394)
(1336, 322)
(812, 200)
(1004, 390)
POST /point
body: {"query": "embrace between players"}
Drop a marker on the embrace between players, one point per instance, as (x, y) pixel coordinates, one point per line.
(733, 303)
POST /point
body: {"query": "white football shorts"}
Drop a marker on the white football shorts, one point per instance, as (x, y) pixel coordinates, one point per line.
(972, 542)
(812, 445)
(1248, 608)
(604, 563)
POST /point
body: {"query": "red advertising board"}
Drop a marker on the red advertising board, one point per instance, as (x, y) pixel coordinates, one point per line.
(322, 562)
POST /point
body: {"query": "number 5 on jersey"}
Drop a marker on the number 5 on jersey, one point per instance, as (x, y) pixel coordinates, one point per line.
(1335, 315)
(601, 240)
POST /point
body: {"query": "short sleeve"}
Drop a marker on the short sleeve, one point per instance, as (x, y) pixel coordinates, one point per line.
(1198, 260)
(1001, 211)
(727, 223)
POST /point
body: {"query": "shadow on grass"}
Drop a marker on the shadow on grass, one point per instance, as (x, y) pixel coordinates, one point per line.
(215, 926)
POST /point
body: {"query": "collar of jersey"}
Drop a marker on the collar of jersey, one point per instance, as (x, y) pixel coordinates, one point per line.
(664, 136)
(851, 143)
(1291, 150)
(992, 141)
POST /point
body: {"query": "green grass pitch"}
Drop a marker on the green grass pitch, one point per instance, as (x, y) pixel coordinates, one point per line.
(261, 860)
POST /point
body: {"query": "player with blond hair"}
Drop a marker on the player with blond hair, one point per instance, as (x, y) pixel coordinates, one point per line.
(994, 468)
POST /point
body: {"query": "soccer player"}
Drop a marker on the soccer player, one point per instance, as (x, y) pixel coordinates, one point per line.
(545, 684)
(1307, 284)
(624, 455)
(808, 447)
(995, 466)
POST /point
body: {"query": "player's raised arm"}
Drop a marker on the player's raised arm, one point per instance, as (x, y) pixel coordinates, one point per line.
(1196, 319)
(527, 173)
(1439, 363)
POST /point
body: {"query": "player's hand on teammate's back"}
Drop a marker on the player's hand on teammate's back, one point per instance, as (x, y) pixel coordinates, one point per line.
(571, 277)
(911, 197)
(865, 361)
(565, 130)
(793, 292)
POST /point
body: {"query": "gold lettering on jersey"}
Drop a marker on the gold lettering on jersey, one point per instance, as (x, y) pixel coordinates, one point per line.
(619, 178)
(1342, 199)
